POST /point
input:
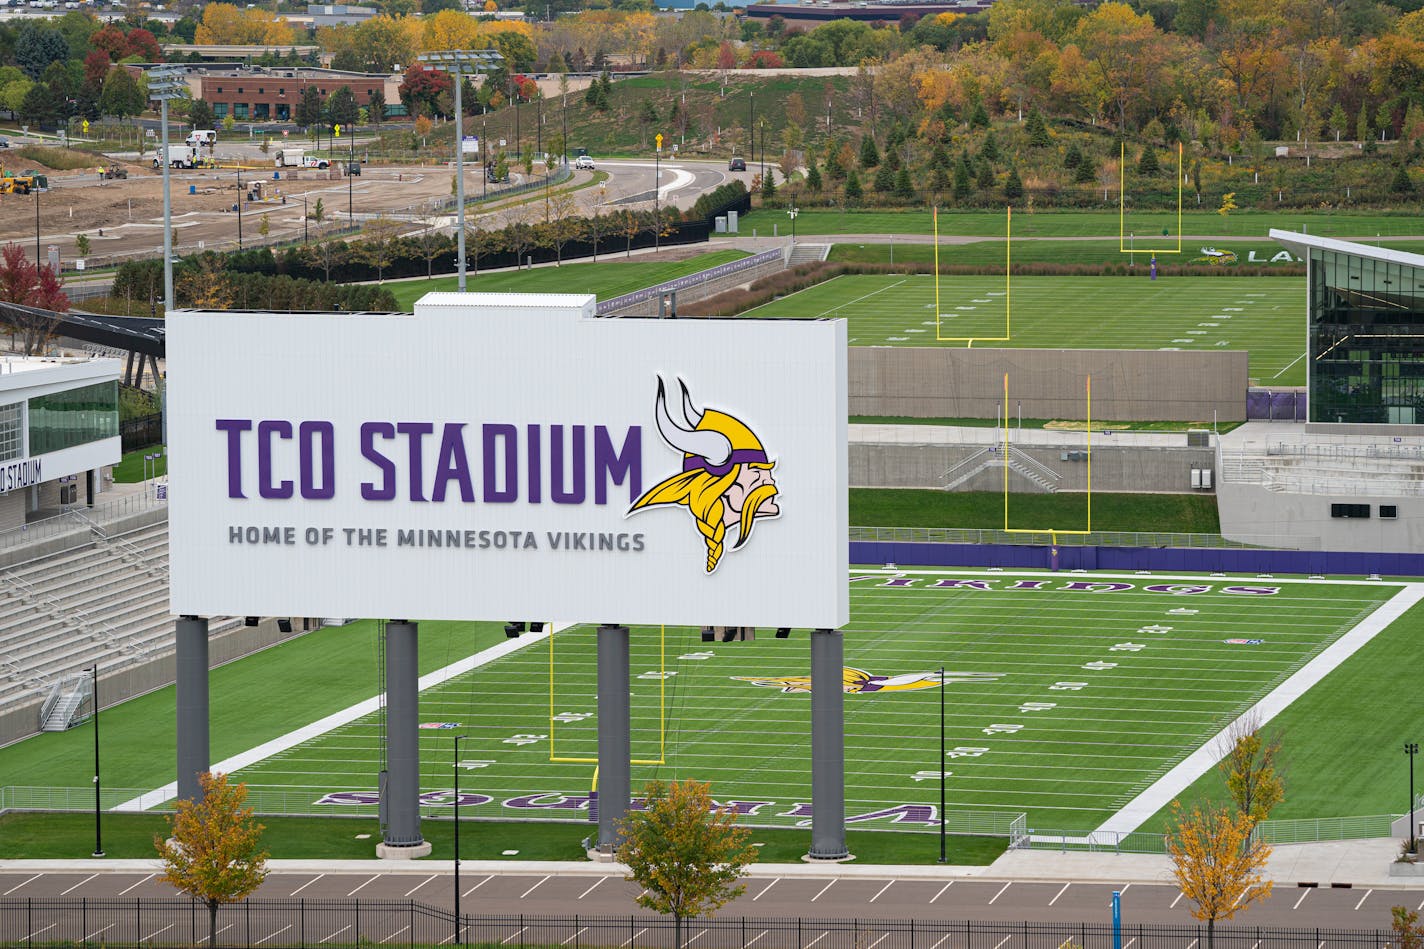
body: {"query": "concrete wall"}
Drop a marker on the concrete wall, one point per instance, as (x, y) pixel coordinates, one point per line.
(1303, 520)
(1134, 468)
(705, 289)
(1128, 385)
(123, 684)
(77, 534)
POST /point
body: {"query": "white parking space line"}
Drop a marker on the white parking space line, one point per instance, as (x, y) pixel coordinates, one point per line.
(419, 885)
(394, 934)
(1128, 944)
(765, 891)
(941, 940)
(99, 932)
(753, 940)
(508, 940)
(477, 886)
(273, 935)
(700, 934)
(1192, 944)
(17, 886)
(878, 941)
(38, 931)
(1176, 901)
(1002, 941)
(575, 936)
(1125, 888)
(631, 939)
(337, 933)
(882, 890)
(533, 888)
(1362, 900)
(307, 884)
(818, 939)
(79, 884)
(1303, 895)
(138, 884)
(229, 926)
(1001, 892)
(363, 885)
(592, 888)
(1059, 893)
(158, 933)
(813, 899)
(941, 891)
(1420, 907)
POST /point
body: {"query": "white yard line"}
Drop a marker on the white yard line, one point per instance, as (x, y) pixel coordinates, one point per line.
(1292, 363)
(138, 884)
(344, 717)
(1059, 893)
(941, 891)
(306, 884)
(1168, 787)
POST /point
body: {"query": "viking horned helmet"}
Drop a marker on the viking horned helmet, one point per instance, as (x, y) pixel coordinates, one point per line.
(710, 440)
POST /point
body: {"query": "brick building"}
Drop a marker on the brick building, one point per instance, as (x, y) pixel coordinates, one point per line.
(271, 93)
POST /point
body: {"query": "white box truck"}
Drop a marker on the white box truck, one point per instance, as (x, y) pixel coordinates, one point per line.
(200, 137)
(287, 158)
(178, 156)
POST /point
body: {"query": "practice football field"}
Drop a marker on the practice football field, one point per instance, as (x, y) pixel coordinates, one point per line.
(1066, 695)
(1265, 315)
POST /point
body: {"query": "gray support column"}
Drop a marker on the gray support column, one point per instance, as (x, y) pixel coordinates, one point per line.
(192, 700)
(615, 743)
(402, 787)
(828, 829)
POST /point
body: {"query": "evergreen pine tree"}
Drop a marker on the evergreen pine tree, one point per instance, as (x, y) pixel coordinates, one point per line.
(1401, 184)
(938, 157)
(990, 151)
(1086, 172)
(939, 180)
(1338, 122)
(813, 176)
(962, 188)
(1013, 185)
(904, 187)
(852, 187)
(1363, 131)
(1073, 157)
(1147, 163)
(979, 118)
(884, 179)
(985, 180)
(1037, 129)
(892, 159)
(869, 154)
(768, 185)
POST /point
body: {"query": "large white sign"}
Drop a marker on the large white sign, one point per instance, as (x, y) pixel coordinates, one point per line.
(508, 457)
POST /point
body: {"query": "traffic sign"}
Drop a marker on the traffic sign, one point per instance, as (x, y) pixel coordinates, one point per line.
(337, 130)
(85, 126)
(659, 139)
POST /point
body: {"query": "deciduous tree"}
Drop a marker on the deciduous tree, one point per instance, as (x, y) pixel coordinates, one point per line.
(1217, 864)
(685, 851)
(214, 852)
(23, 283)
(1249, 765)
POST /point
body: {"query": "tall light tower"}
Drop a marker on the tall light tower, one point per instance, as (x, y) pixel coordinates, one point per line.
(164, 83)
(457, 63)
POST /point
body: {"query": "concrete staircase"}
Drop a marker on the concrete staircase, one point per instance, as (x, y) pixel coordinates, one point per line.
(987, 459)
(808, 254)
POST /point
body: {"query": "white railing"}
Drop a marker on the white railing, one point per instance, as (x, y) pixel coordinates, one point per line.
(1310, 830)
(66, 523)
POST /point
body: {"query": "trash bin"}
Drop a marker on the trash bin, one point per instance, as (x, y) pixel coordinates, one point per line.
(192, 189)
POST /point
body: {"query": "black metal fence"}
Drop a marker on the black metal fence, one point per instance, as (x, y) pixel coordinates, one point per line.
(281, 923)
(141, 432)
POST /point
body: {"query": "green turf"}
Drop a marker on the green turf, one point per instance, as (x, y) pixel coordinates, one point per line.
(1105, 224)
(132, 469)
(1264, 316)
(912, 507)
(611, 276)
(254, 699)
(35, 836)
(1341, 755)
(1069, 765)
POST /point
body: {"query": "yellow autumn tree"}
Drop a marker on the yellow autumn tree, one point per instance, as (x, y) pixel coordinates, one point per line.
(451, 29)
(1217, 864)
(225, 24)
(687, 853)
(214, 850)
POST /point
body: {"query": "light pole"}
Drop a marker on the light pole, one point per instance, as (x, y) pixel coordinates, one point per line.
(304, 218)
(943, 855)
(98, 841)
(657, 178)
(239, 207)
(793, 212)
(458, 921)
(751, 127)
(457, 63)
(351, 185)
(1411, 749)
(164, 83)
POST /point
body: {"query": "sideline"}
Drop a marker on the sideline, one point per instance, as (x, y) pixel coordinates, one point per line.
(344, 717)
(1166, 788)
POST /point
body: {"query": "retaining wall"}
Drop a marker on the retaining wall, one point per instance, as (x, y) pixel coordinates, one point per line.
(1134, 468)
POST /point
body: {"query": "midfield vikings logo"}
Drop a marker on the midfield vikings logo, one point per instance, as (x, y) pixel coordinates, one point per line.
(725, 482)
(860, 681)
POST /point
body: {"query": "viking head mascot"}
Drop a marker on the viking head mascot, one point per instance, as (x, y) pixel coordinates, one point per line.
(725, 482)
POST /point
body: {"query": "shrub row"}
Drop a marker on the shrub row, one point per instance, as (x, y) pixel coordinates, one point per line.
(143, 280)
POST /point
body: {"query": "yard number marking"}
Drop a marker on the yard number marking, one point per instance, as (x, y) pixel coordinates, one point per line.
(1067, 686)
(524, 739)
(1037, 706)
(1002, 729)
(1128, 647)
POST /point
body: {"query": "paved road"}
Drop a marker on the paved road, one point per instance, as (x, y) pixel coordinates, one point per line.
(920, 894)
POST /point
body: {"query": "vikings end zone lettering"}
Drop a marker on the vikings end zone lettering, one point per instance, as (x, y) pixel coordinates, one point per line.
(508, 457)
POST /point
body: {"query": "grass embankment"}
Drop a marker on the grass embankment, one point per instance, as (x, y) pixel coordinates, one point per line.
(58, 159)
(132, 469)
(130, 836)
(915, 507)
(254, 699)
(613, 275)
(1340, 751)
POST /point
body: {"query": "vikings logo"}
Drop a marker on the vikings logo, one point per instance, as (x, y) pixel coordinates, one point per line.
(725, 482)
(860, 681)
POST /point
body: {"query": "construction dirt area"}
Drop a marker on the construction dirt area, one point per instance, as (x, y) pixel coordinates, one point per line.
(122, 218)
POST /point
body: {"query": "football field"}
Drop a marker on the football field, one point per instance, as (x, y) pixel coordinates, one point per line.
(1265, 315)
(1066, 695)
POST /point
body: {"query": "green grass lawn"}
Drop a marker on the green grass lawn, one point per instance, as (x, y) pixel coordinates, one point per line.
(1264, 316)
(1101, 224)
(611, 276)
(254, 699)
(35, 836)
(910, 507)
(1341, 741)
(132, 468)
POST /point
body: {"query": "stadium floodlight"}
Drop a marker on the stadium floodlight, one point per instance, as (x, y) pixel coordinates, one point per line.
(512, 630)
(165, 83)
(458, 63)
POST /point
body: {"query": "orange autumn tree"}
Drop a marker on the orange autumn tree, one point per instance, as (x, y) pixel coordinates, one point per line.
(685, 851)
(213, 852)
(1217, 864)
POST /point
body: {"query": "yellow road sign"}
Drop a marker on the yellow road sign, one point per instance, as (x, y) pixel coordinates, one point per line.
(659, 139)
(337, 130)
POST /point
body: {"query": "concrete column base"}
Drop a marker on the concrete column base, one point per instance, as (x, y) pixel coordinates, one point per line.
(812, 858)
(391, 852)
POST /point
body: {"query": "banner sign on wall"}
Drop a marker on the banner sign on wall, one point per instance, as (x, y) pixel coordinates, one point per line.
(508, 457)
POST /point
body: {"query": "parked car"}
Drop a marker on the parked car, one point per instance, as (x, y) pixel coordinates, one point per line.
(737, 164)
(4, 143)
(584, 161)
